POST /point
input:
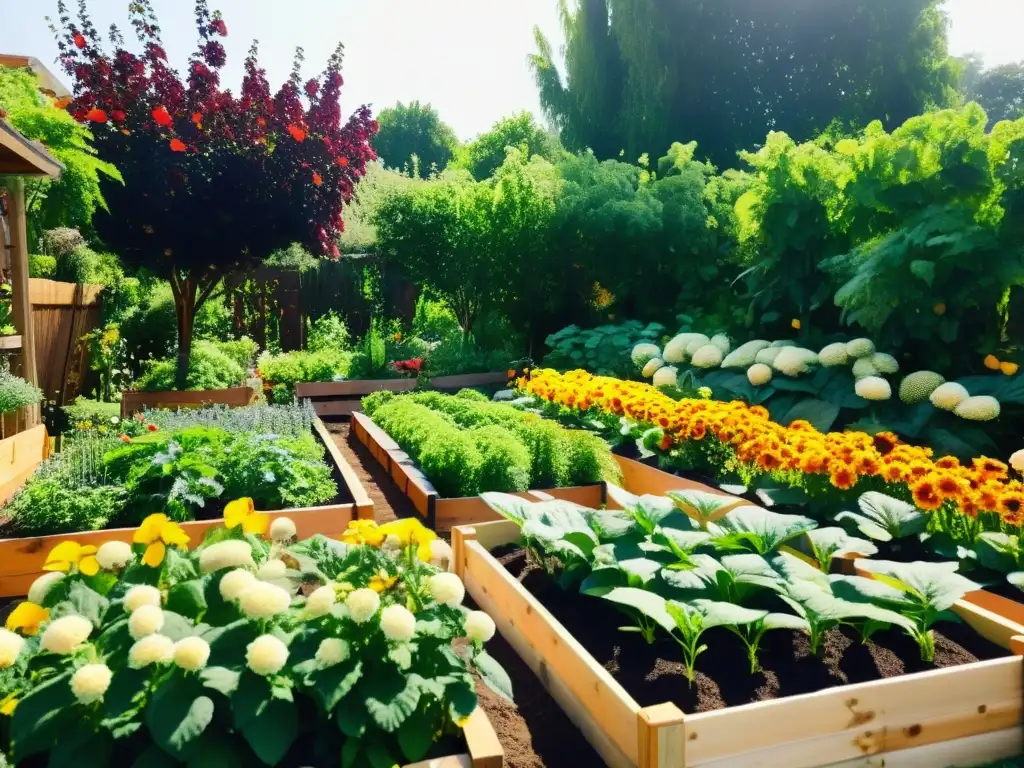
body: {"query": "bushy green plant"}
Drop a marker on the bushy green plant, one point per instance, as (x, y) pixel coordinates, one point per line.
(327, 333)
(506, 462)
(41, 265)
(15, 392)
(605, 350)
(51, 505)
(210, 369)
(93, 412)
(455, 356)
(243, 351)
(286, 370)
(434, 321)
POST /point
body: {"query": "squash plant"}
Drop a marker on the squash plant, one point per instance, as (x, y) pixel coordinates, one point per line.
(244, 651)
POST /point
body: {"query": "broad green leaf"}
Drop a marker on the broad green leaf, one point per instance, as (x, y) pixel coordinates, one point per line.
(462, 699)
(493, 674)
(998, 551)
(351, 717)
(648, 510)
(417, 737)
(42, 716)
(272, 730)
(820, 413)
(603, 580)
(924, 270)
(884, 518)
(176, 626)
(508, 506)
(639, 560)
(187, 598)
(176, 716)
(88, 603)
(391, 698)
(706, 614)
(935, 585)
(702, 505)
(681, 543)
(647, 603)
(220, 679)
(1017, 579)
(828, 543)
(124, 701)
(334, 683)
(750, 527)
(378, 755)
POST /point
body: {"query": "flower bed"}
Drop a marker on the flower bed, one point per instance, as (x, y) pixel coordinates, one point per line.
(98, 486)
(956, 715)
(250, 651)
(234, 397)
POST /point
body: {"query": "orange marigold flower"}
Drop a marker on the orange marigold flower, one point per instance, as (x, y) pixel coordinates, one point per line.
(948, 462)
(949, 487)
(1011, 505)
(698, 431)
(925, 495)
(918, 470)
(990, 467)
(893, 473)
(297, 133)
(665, 443)
(769, 461)
(885, 442)
(843, 478)
(868, 465)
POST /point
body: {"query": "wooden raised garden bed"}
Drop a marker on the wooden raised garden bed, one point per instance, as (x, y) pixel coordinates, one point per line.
(439, 513)
(341, 398)
(21, 559)
(959, 715)
(483, 750)
(235, 397)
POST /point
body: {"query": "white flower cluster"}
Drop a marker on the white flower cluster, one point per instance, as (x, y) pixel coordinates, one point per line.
(398, 623)
(261, 600)
(114, 555)
(146, 620)
(332, 650)
(151, 649)
(266, 655)
(479, 626)
(141, 595)
(320, 601)
(11, 645)
(282, 530)
(233, 583)
(41, 587)
(65, 634)
(226, 554)
(446, 588)
(362, 604)
(191, 653)
(90, 683)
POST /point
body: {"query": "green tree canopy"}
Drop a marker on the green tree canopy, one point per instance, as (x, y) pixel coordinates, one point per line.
(483, 156)
(414, 129)
(640, 74)
(1000, 90)
(71, 200)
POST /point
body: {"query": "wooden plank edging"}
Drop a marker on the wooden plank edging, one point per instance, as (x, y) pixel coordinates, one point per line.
(234, 397)
(929, 711)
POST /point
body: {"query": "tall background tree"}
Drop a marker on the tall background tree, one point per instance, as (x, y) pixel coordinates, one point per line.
(999, 90)
(414, 129)
(213, 181)
(640, 74)
(482, 156)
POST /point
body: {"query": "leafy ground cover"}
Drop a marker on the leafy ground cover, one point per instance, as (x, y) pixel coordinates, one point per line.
(183, 463)
(255, 650)
(466, 444)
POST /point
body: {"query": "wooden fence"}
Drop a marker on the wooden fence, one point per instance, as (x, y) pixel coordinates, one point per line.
(61, 314)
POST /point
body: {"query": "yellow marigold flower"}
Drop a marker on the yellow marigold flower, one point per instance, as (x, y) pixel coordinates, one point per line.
(71, 553)
(1008, 369)
(843, 478)
(992, 362)
(242, 512)
(926, 495)
(8, 704)
(158, 532)
(795, 324)
(411, 533)
(363, 532)
(382, 583)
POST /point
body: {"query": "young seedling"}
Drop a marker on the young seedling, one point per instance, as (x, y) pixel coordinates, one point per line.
(884, 518)
(749, 528)
(751, 634)
(702, 506)
(829, 543)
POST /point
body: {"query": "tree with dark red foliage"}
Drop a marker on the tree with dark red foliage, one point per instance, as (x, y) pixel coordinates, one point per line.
(213, 182)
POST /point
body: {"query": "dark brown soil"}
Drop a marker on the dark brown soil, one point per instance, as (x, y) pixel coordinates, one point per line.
(534, 731)
(654, 674)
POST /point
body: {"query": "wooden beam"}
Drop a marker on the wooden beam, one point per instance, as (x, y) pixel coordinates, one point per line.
(22, 303)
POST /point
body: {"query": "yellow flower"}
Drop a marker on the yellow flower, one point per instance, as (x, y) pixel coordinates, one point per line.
(157, 532)
(69, 553)
(382, 583)
(795, 324)
(363, 532)
(705, 392)
(411, 532)
(27, 617)
(8, 703)
(1009, 369)
(242, 512)
(992, 362)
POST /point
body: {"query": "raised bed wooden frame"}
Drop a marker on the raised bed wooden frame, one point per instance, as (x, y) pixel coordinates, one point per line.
(483, 750)
(21, 559)
(922, 719)
(439, 513)
(342, 398)
(235, 397)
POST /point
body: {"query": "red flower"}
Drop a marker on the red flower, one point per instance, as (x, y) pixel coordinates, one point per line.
(151, 427)
(197, 118)
(162, 116)
(312, 87)
(342, 161)
(297, 133)
(261, 122)
(218, 26)
(318, 179)
(335, 253)
(79, 40)
(96, 115)
(177, 145)
(118, 116)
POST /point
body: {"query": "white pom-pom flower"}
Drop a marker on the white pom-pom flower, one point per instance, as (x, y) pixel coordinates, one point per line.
(794, 361)
(282, 529)
(860, 347)
(978, 408)
(699, 340)
(721, 341)
(271, 570)
(643, 352)
(873, 388)
(41, 587)
(665, 377)
(261, 600)
(191, 653)
(90, 682)
(398, 623)
(479, 626)
(863, 367)
(440, 553)
(141, 595)
(743, 356)
(266, 655)
(1017, 461)
(918, 386)
(708, 356)
(233, 583)
(362, 604)
(759, 374)
(147, 620)
(10, 647)
(321, 600)
(447, 588)
(885, 363)
(65, 634)
(152, 649)
(784, 343)
(949, 396)
(767, 355)
(675, 350)
(226, 554)
(114, 555)
(332, 651)
(651, 366)
(833, 355)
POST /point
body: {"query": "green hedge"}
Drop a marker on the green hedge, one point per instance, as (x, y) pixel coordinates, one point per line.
(467, 445)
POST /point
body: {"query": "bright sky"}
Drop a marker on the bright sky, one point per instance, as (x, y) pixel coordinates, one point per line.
(466, 57)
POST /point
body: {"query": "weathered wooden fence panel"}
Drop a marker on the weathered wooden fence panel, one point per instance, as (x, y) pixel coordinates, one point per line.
(61, 314)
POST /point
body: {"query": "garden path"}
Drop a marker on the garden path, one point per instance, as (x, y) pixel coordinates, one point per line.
(534, 731)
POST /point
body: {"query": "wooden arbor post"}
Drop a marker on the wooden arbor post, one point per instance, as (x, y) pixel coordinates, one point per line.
(20, 157)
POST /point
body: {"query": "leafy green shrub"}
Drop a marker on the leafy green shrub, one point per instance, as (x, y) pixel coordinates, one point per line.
(434, 321)
(326, 333)
(16, 393)
(243, 351)
(50, 505)
(211, 369)
(506, 462)
(286, 370)
(84, 410)
(472, 395)
(455, 356)
(41, 265)
(604, 350)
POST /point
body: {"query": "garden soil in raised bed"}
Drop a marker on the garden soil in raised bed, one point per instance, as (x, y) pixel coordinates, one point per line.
(654, 674)
(534, 732)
